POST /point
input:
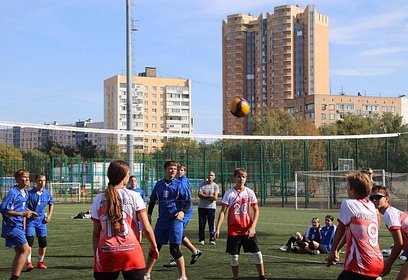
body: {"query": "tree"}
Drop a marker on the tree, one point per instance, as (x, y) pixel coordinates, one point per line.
(87, 150)
(8, 152)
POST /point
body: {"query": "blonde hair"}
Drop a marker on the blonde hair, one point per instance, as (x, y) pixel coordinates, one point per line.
(360, 183)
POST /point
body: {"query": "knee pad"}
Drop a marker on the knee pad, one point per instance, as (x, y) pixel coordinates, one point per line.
(257, 257)
(234, 260)
(42, 241)
(30, 240)
(175, 251)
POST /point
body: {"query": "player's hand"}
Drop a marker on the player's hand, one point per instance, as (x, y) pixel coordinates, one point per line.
(179, 215)
(251, 232)
(333, 258)
(30, 214)
(216, 234)
(153, 253)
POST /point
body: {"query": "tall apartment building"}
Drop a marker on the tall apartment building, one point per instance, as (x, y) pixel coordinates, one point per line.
(272, 58)
(158, 105)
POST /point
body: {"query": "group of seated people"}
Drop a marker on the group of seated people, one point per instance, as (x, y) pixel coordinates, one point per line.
(317, 239)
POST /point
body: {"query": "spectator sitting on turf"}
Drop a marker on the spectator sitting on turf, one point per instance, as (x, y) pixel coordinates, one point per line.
(303, 242)
(326, 238)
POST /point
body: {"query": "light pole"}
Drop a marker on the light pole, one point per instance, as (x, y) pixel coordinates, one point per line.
(129, 123)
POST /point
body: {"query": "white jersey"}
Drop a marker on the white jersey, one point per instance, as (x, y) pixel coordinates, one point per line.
(396, 219)
(362, 221)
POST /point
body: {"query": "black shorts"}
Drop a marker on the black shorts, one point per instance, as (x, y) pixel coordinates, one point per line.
(137, 274)
(234, 243)
(346, 275)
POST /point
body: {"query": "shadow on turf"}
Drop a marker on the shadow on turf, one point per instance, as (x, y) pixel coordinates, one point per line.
(69, 256)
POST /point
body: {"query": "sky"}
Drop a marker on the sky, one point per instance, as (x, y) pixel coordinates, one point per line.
(55, 55)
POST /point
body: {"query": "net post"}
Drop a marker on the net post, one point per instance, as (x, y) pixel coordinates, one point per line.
(296, 191)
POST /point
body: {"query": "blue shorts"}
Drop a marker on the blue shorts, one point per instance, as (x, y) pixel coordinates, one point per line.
(37, 230)
(170, 232)
(187, 217)
(139, 226)
(16, 238)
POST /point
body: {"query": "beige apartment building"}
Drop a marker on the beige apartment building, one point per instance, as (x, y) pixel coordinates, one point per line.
(273, 58)
(322, 109)
(158, 105)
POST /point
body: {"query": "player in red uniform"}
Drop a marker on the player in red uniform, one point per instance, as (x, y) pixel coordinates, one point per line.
(359, 221)
(397, 223)
(241, 223)
(115, 213)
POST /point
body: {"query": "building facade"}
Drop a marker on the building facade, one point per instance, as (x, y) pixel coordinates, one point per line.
(273, 58)
(158, 105)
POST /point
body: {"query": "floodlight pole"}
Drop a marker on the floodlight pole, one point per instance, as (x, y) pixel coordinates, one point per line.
(129, 123)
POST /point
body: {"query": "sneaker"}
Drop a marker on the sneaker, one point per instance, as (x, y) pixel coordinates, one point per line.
(41, 265)
(146, 277)
(202, 242)
(316, 252)
(171, 263)
(195, 256)
(212, 242)
(283, 248)
(29, 266)
(182, 278)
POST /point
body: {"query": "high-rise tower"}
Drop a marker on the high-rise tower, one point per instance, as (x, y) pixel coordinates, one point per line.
(272, 58)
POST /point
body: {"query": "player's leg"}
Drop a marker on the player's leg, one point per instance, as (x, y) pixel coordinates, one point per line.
(150, 264)
(196, 254)
(106, 275)
(251, 245)
(30, 232)
(18, 241)
(135, 274)
(175, 240)
(41, 232)
(233, 248)
(403, 274)
(161, 233)
(211, 223)
(201, 225)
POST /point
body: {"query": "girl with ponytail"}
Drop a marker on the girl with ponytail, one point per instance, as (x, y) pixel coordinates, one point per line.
(115, 213)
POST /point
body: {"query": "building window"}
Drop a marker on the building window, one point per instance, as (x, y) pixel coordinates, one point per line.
(332, 116)
(323, 116)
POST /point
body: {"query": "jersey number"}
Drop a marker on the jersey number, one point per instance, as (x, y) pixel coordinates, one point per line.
(109, 231)
(372, 231)
(240, 208)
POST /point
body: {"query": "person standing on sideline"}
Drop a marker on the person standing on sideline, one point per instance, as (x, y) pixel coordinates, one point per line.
(195, 253)
(114, 215)
(134, 187)
(241, 223)
(38, 198)
(14, 210)
(174, 202)
(396, 222)
(359, 223)
(208, 194)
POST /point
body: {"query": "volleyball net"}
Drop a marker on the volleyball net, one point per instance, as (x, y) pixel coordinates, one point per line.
(81, 155)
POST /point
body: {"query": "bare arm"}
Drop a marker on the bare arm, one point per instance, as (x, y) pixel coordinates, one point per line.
(96, 235)
(149, 234)
(334, 257)
(395, 251)
(50, 212)
(252, 230)
(26, 214)
(219, 221)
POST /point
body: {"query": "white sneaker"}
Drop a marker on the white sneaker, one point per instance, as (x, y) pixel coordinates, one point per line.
(146, 277)
(202, 242)
(182, 278)
(316, 252)
(283, 248)
(212, 242)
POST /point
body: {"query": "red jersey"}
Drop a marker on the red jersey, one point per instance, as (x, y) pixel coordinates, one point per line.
(396, 219)
(119, 252)
(239, 212)
(362, 221)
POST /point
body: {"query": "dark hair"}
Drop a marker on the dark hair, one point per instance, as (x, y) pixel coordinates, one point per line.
(329, 217)
(117, 171)
(360, 183)
(170, 163)
(19, 173)
(39, 175)
(385, 189)
(131, 177)
(239, 170)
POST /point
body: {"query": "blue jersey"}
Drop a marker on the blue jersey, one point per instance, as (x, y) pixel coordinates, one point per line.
(15, 200)
(313, 234)
(171, 197)
(141, 192)
(327, 235)
(37, 203)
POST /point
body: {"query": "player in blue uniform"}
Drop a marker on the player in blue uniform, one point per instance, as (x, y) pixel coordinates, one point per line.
(174, 202)
(38, 198)
(14, 209)
(326, 237)
(304, 242)
(136, 188)
(195, 253)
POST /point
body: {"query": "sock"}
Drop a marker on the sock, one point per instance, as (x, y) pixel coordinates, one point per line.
(29, 258)
(40, 258)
